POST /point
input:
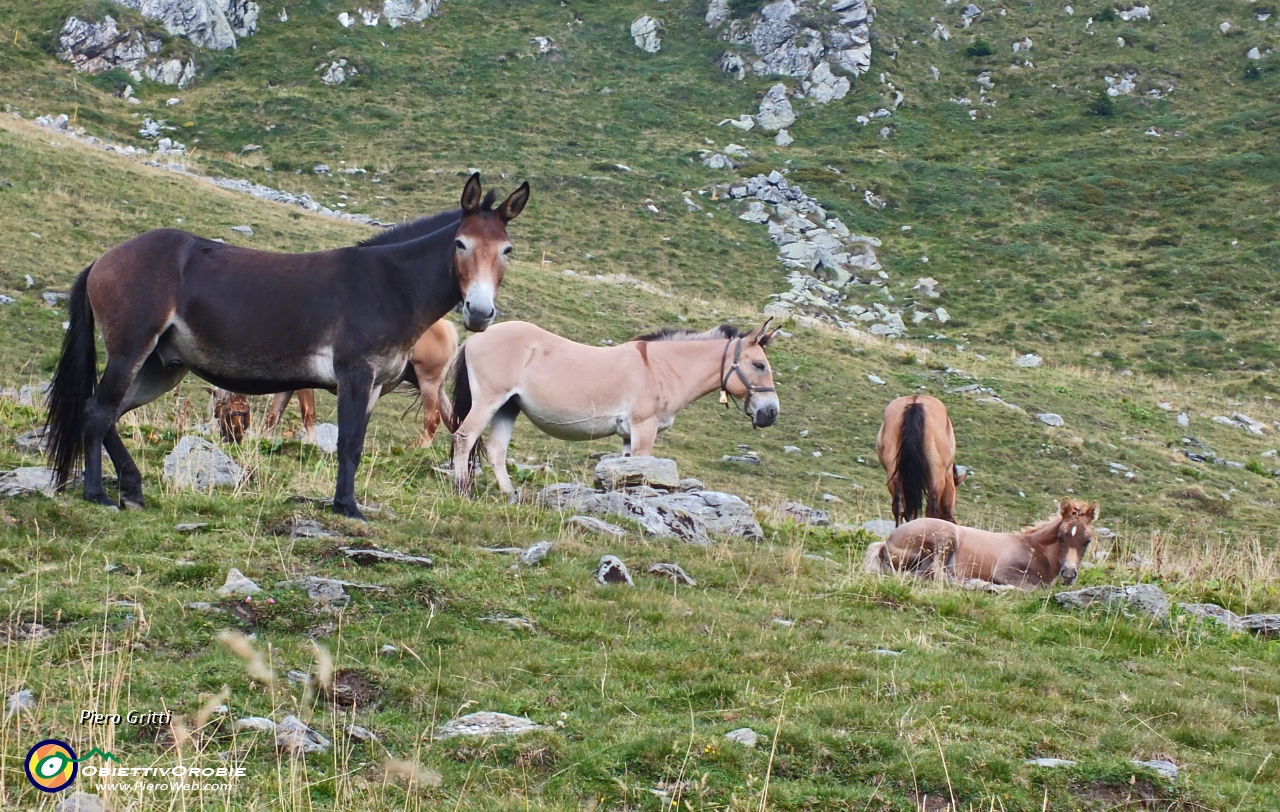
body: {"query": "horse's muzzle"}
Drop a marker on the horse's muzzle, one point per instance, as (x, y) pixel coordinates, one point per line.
(764, 415)
(1067, 574)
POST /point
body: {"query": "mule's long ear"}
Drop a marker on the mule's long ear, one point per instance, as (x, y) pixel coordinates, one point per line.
(514, 204)
(762, 335)
(1066, 507)
(471, 195)
(1093, 512)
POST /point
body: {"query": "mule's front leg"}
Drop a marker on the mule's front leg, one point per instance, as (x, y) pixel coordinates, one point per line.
(354, 402)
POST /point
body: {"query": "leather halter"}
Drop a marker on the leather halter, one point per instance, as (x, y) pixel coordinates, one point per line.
(736, 369)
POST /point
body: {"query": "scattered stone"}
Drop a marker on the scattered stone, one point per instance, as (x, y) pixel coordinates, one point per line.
(487, 723)
(690, 516)
(1051, 419)
(979, 585)
(673, 572)
(823, 86)
(338, 72)
(203, 606)
(389, 650)
(298, 677)
(791, 449)
(1143, 598)
(519, 624)
(876, 379)
(616, 473)
(880, 528)
(542, 45)
(532, 556)
(19, 701)
(1135, 13)
(293, 736)
(775, 110)
(238, 584)
(1165, 769)
(801, 514)
(24, 481)
(783, 138)
(613, 571)
(1253, 53)
(32, 442)
(886, 652)
(645, 33)
(258, 723)
(690, 484)
(360, 734)
(1263, 625)
(1050, 763)
(189, 527)
(367, 557)
(1214, 612)
(246, 230)
(744, 736)
(197, 464)
(742, 459)
(1183, 420)
(595, 525)
(1028, 361)
(403, 12)
(327, 438)
(81, 802)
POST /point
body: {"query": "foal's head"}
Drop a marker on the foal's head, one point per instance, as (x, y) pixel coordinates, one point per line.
(1074, 534)
(483, 249)
(747, 376)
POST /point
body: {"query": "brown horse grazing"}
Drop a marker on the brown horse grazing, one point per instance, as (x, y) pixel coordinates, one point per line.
(577, 392)
(1028, 559)
(917, 447)
(256, 322)
(430, 357)
(231, 413)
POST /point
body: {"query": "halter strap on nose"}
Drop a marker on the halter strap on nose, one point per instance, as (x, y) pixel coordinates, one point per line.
(725, 397)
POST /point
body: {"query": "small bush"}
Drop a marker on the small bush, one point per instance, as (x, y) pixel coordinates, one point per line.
(1107, 15)
(980, 47)
(1102, 105)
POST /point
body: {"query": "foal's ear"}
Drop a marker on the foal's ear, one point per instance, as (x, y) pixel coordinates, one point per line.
(1093, 512)
(514, 204)
(471, 195)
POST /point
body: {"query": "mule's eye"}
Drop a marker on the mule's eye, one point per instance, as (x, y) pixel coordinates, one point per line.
(506, 252)
(759, 365)
(460, 245)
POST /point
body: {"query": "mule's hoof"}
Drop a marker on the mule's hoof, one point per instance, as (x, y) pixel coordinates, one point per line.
(101, 499)
(131, 503)
(351, 511)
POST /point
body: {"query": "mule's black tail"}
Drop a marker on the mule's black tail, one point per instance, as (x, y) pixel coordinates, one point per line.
(453, 412)
(912, 467)
(73, 384)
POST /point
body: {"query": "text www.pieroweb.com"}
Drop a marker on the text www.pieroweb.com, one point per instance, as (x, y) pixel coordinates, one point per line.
(167, 779)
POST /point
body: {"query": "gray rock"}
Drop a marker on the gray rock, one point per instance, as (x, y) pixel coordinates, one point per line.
(979, 585)
(718, 514)
(615, 473)
(612, 571)
(783, 138)
(734, 64)
(202, 606)
(360, 734)
(212, 24)
(197, 464)
(689, 483)
(171, 72)
(403, 12)
(1143, 598)
(689, 516)
(717, 12)
(368, 557)
(32, 395)
(254, 723)
(238, 584)
(81, 802)
(97, 47)
(327, 438)
(775, 109)
(189, 527)
(801, 514)
(1050, 763)
(1051, 419)
(1214, 612)
(487, 723)
(1165, 769)
(673, 572)
(1028, 361)
(389, 650)
(293, 736)
(823, 86)
(532, 556)
(338, 72)
(742, 459)
(19, 701)
(644, 30)
(326, 590)
(1262, 625)
(24, 481)
(744, 736)
(520, 624)
(880, 528)
(246, 230)
(595, 525)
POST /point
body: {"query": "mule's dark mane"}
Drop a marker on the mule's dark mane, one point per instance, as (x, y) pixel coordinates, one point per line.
(414, 228)
(487, 203)
(724, 331)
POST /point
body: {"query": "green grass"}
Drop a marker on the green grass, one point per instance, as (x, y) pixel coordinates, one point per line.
(1052, 230)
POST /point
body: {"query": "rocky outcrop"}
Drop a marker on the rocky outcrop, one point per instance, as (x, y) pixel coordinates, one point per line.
(212, 24)
(403, 12)
(693, 516)
(1141, 598)
(94, 48)
(616, 473)
(775, 110)
(798, 37)
(645, 33)
(487, 723)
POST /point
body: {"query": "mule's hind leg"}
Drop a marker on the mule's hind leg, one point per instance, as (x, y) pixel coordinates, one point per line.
(500, 429)
(152, 380)
(101, 412)
(468, 434)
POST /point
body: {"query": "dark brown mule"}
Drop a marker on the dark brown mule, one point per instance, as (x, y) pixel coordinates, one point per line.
(917, 448)
(1033, 557)
(255, 322)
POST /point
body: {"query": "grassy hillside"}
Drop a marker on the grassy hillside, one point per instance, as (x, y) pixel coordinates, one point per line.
(1051, 229)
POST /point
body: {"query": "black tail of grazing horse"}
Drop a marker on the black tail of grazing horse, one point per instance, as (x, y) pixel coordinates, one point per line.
(912, 467)
(454, 411)
(72, 386)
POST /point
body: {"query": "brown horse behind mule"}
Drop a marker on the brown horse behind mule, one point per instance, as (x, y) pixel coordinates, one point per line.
(1027, 559)
(917, 448)
(430, 357)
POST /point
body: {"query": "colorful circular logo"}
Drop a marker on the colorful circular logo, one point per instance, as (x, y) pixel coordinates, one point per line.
(51, 765)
